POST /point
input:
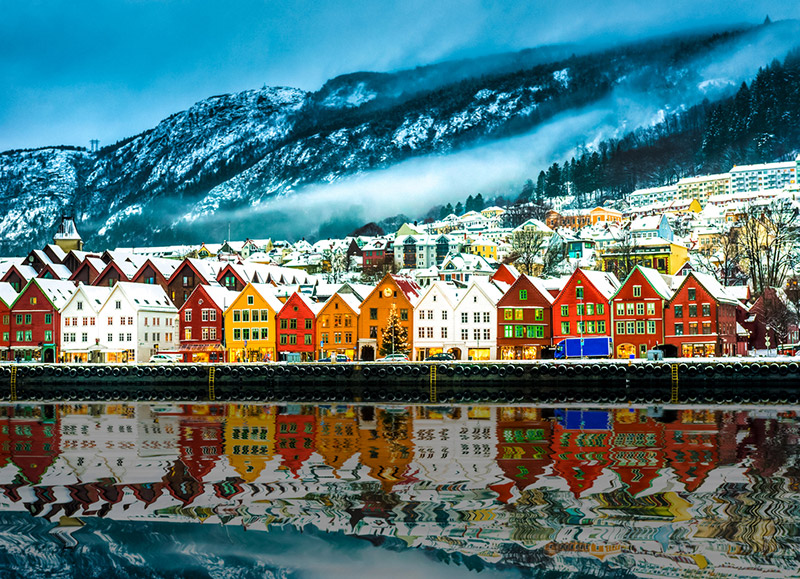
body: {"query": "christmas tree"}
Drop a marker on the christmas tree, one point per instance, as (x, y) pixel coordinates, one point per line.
(395, 337)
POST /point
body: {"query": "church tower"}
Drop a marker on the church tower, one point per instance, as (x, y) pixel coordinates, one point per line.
(67, 236)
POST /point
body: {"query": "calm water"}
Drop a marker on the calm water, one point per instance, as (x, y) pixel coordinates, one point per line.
(230, 490)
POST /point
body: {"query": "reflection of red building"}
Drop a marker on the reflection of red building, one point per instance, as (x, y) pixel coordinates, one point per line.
(295, 436)
(580, 448)
(523, 448)
(34, 441)
(200, 438)
(691, 446)
(637, 449)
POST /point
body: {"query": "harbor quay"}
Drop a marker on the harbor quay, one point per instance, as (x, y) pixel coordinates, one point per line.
(721, 380)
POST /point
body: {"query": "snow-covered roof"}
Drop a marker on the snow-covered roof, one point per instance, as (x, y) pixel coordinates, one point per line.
(221, 296)
(656, 280)
(60, 270)
(713, 287)
(95, 296)
(67, 229)
(605, 282)
(541, 287)
(647, 223)
(57, 291)
(57, 251)
(267, 291)
(7, 293)
(145, 296)
(351, 300)
(740, 292)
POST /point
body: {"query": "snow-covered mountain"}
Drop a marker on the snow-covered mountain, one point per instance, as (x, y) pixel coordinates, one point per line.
(229, 156)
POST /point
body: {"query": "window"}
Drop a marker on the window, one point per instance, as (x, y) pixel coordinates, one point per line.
(187, 316)
(33, 301)
(308, 324)
(212, 315)
(564, 312)
(678, 309)
(212, 333)
(640, 326)
(293, 338)
(444, 314)
(640, 309)
(420, 332)
(404, 315)
(601, 309)
(444, 333)
(591, 327)
(187, 334)
(581, 328)
(282, 339)
(373, 313)
(523, 295)
(284, 324)
(293, 324)
(476, 334)
(264, 316)
(430, 314)
(122, 337)
(565, 328)
(476, 317)
(706, 327)
(651, 326)
(245, 315)
(307, 339)
(20, 334)
(621, 328)
(487, 334)
(629, 308)
(706, 310)
(237, 334)
(637, 291)
(48, 335)
(692, 310)
(118, 305)
(348, 337)
(579, 292)
(519, 331)
(29, 318)
(693, 328)
(651, 308)
(422, 314)
(508, 331)
(373, 332)
(130, 321)
(246, 333)
(19, 319)
(204, 315)
(620, 309)
(508, 314)
(679, 329)
(692, 293)
(324, 337)
(487, 317)
(517, 315)
(79, 306)
(464, 317)
(430, 332)
(205, 334)
(237, 315)
(464, 334)
(250, 300)
(590, 309)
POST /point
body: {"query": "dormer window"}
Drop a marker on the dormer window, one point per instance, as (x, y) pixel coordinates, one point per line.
(118, 305)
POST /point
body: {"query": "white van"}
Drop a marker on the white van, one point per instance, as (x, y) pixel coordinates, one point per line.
(165, 358)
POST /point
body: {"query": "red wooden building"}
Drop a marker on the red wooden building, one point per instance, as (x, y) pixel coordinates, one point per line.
(296, 323)
(156, 271)
(7, 297)
(700, 320)
(581, 308)
(34, 330)
(524, 316)
(523, 449)
(188, 275)
(88, 270)
(201, 322)
(18, 276)
(506, 274)
(637, 313)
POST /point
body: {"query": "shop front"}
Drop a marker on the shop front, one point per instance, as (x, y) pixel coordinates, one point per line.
(249, 354)
(202, 353)
(701, 350)
(27, 354)
(479, 354)
(520, 352)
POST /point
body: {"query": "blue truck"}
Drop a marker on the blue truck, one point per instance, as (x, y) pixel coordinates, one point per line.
(593, 347)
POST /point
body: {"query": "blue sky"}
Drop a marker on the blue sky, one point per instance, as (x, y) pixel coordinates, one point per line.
(108, 69)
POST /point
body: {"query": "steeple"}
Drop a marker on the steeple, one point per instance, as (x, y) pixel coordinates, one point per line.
(67, 236)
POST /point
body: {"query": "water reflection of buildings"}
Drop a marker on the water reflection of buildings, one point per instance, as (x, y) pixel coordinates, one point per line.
(648, 490)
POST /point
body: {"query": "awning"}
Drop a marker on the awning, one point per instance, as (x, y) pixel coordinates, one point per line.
(201, 348)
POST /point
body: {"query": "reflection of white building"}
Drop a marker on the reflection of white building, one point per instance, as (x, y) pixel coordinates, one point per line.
(476, 320)
(456, 445)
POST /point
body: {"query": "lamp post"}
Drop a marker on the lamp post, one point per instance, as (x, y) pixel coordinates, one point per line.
(581, 324)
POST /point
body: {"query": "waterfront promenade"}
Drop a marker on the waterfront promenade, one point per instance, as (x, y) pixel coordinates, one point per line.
(718, 380)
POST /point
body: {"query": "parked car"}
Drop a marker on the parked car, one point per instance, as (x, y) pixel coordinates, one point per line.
(164, 358)
(338, 358)
(393, 358)
(440, 357)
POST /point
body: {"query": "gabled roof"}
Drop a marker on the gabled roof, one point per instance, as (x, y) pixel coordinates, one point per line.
(489, 289)
(450, 293)
(267, 292)
(67, 229)
(58, 270)
(166, 267)
(7, 293)
(57, 251)
(605, 282)
(145, 296)
(95, 295)
(653, 277)
(56, 291)
(307, 301)
(221, 296)
(26, 272)
(91, 262)
(540, 286)
(712, 286)
(408, 286)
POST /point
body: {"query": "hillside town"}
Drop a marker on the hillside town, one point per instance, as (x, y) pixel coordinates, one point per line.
(707, 267)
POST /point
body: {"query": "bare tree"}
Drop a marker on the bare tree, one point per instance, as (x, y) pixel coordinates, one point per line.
(724, 258)
(778, 314)
(527, 247)
(769, 237)
(554, 257)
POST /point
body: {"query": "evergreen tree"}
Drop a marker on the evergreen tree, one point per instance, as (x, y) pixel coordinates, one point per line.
(394, 338)
(470, 204)
(479, 202)
(446, 210)
(459, 209)
(527, 192)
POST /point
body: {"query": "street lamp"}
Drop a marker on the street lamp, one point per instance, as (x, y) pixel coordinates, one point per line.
(580, 328)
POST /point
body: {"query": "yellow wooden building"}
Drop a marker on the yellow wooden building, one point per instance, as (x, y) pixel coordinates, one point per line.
(337, 326)
(250, 324)
(660, 254)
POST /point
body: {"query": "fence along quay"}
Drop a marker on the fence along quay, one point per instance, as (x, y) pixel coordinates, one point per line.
(679, 381)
